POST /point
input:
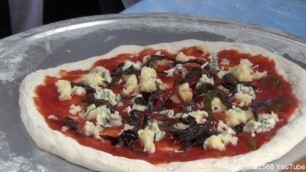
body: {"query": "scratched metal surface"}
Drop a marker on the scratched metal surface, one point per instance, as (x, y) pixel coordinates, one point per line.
(77, 39)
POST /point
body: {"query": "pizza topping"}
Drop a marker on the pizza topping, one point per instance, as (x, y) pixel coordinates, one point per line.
(148, 79)
(194, 135)
(217, 105)
(158, 101)
(203, 80)
(236, 116)
(99, 76)
(266, 123)
(79, 91)
(75, 109)
(220, 141)
(106, 94)
(131, 85)
(245, 95)
(185, 92)
(71, 123)
(64, 89)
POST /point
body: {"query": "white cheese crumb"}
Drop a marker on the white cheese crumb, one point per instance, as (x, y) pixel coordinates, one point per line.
(214, 62)
(244, 71)
(168, 112)
(139, 107)
(64, 128)
(199, 115)
(79, 91)
(181, 126)
(159, 135)
(73, 109)
(104, 117)
(185, 92)
(225, 62)
(222, 127)
(219, 141)
(106, 94)
(97, 77)
(128, 64)
(204, 79)
(128, 127)
(148, 78)
(147, 139)
(236, 116)
(244, 95)
(130, 85)
(178, 68)
(89, 128)
(266, 123)
(52, 117)
(217, 105)
(64, 89)
(181, 57)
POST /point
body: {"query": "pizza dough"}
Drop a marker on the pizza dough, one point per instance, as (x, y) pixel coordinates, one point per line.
(57, 143)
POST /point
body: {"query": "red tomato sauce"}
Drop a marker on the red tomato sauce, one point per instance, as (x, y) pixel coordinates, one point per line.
(272, 86)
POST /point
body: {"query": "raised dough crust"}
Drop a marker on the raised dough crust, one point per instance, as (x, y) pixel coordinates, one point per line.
(57, 143)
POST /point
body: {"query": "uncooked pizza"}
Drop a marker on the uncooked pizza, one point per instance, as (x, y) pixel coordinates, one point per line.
(188, 105)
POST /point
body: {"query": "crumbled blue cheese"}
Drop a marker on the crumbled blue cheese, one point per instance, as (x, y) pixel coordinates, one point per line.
(148, 78)
(214, 62)
(225, 62)
(204, 79)
(236, 116)
(97, 77)
(168, 112)
(244, 71)
(139, 107)
(85, 112)
(181, 126)
(149, 134)
(104, 118)
(199, 115)
(153, 125)
(181, 57)
(146, 137)
(223, 128)
(91, 129)
(219, 141)
(74, 110)
(106, 94)
(185, 92)
(244, 95)
(130, 85)
(177, 69)
(128, 64)
(266, 122)
(79, 91)
(64, 89)
(217, 105)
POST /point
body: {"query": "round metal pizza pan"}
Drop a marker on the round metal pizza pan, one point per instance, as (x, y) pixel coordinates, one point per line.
(78, 39)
